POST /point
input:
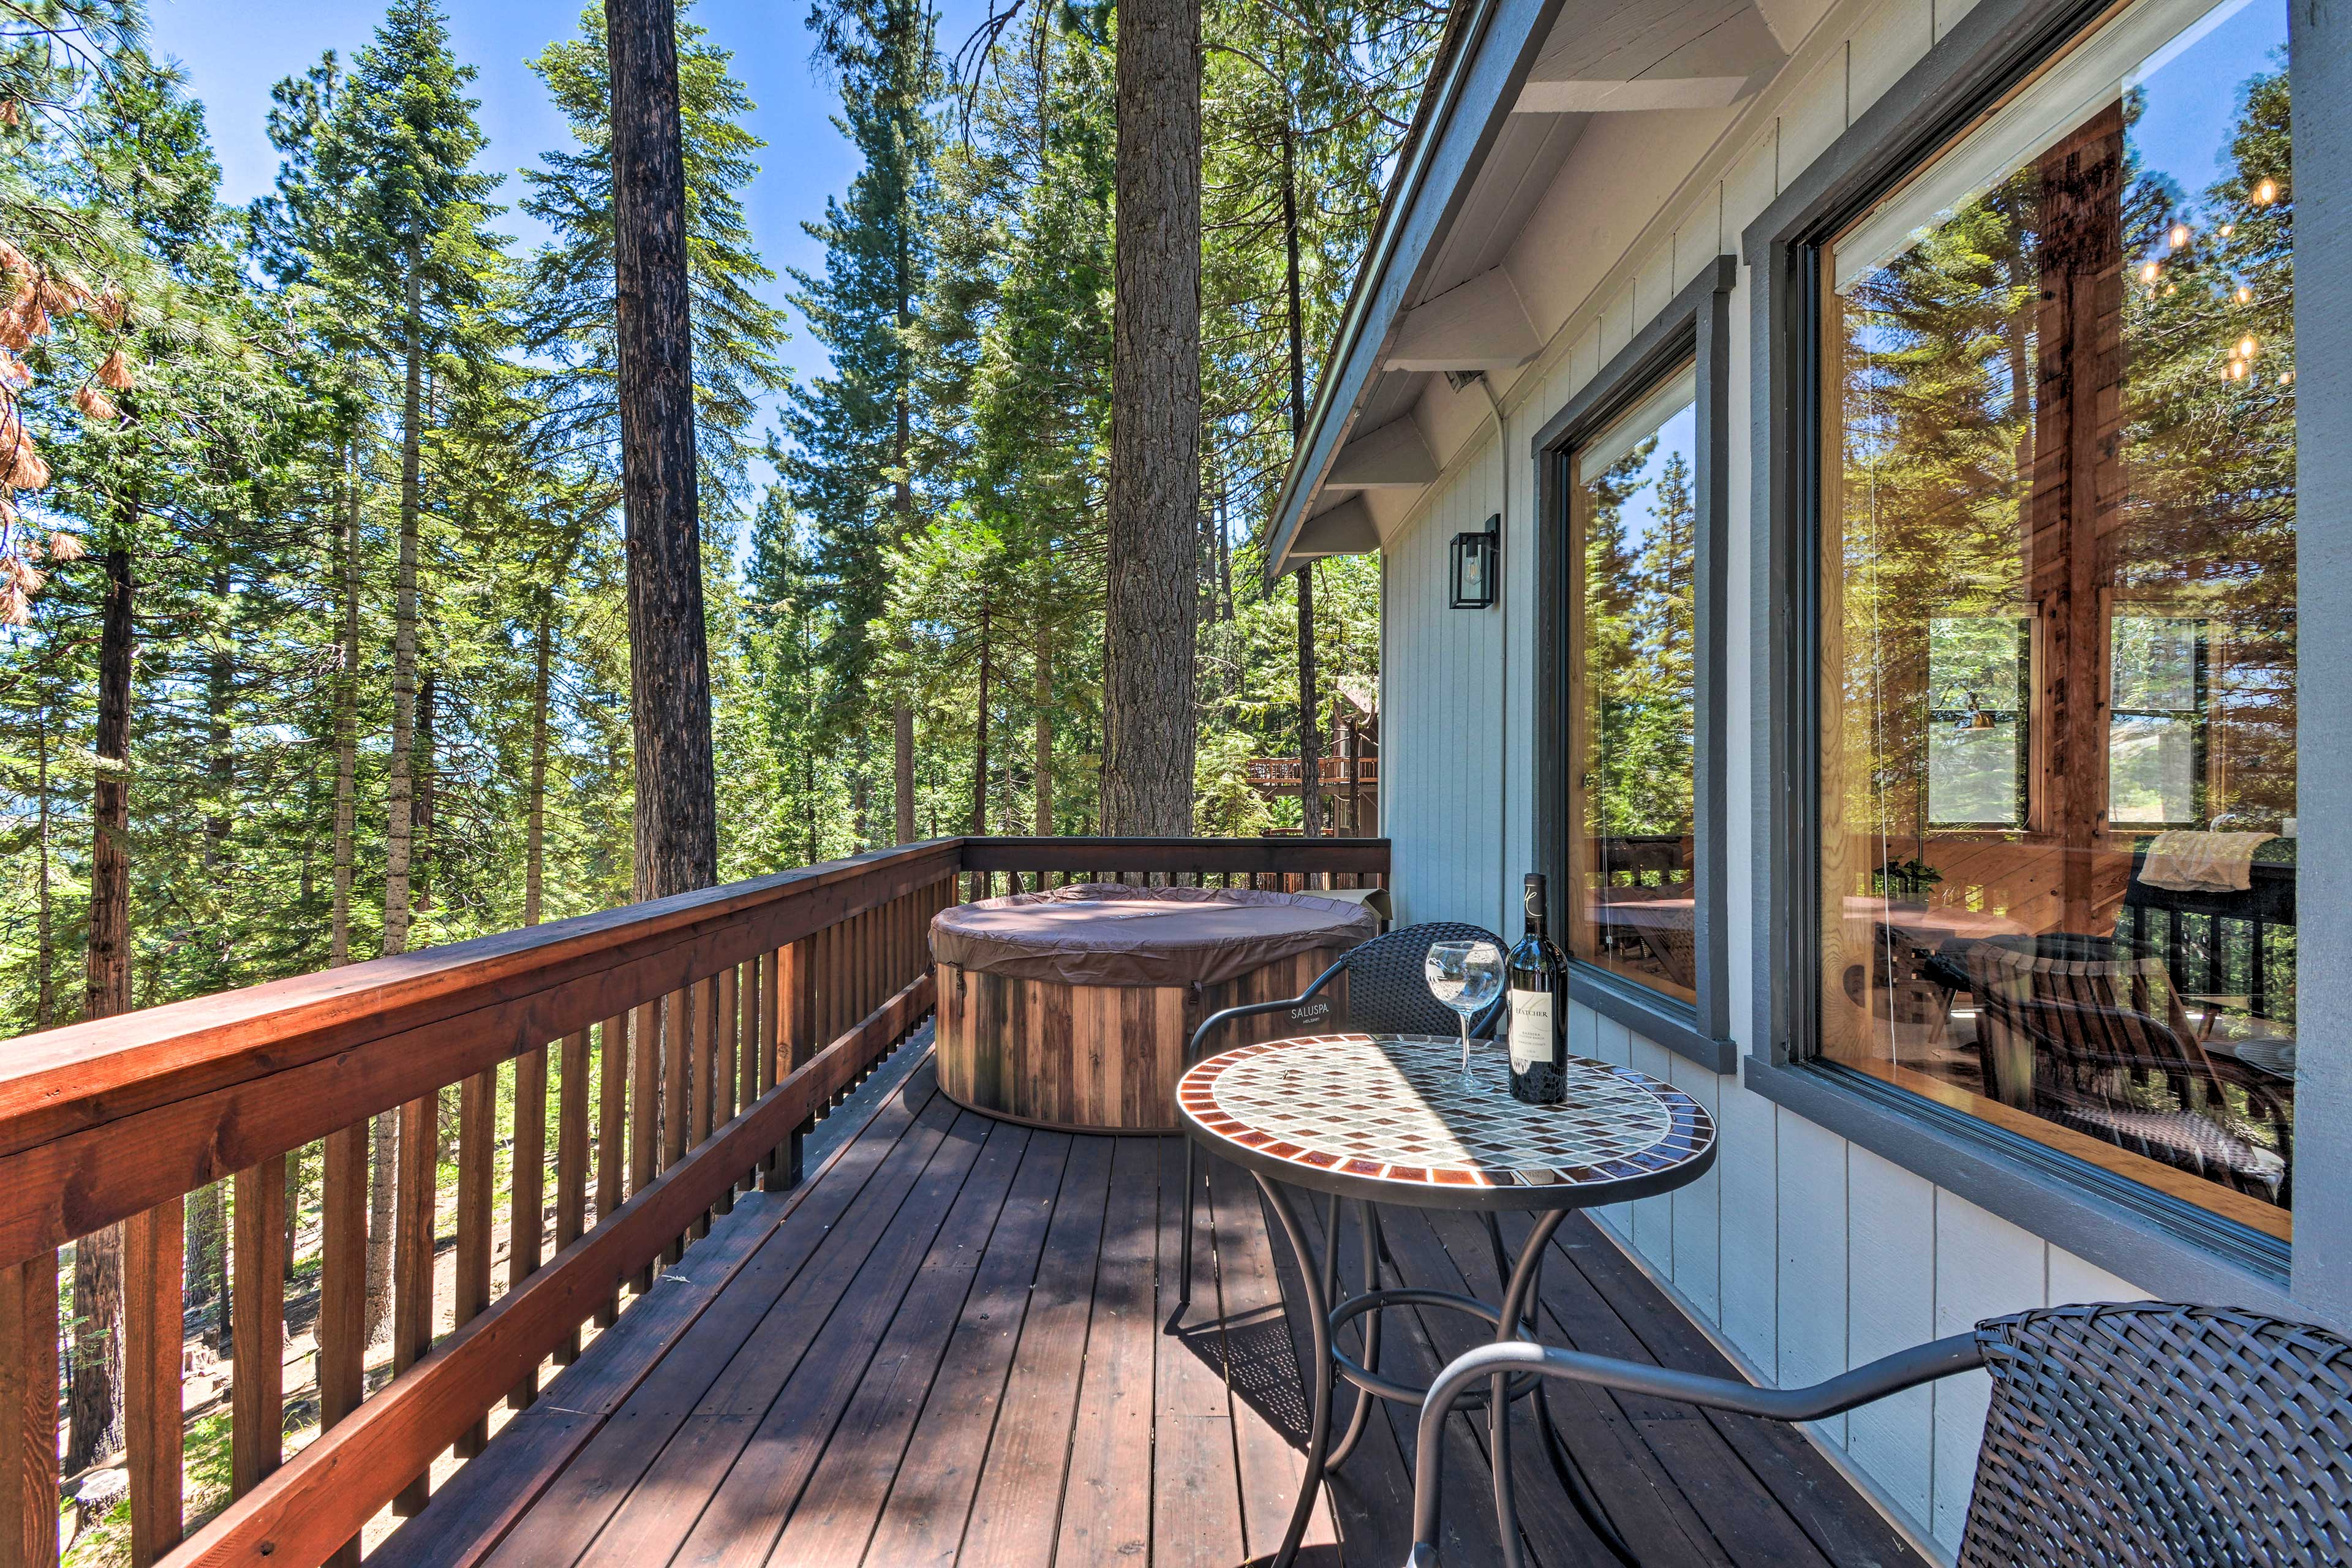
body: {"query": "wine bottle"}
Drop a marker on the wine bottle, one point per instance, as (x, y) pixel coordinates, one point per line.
(1537, 976)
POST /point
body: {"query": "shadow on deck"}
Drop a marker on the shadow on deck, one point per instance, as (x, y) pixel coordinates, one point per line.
(948, 1346)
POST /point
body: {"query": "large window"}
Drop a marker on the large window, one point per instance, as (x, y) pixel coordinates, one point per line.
(2058, 614)
(1632, 701)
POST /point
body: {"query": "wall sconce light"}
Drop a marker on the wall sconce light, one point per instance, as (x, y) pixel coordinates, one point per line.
(1477, 559)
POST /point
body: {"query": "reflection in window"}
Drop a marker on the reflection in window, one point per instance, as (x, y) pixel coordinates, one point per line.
(2155, 734)
(2057, 614)
(1977, 734)
(1634, 514)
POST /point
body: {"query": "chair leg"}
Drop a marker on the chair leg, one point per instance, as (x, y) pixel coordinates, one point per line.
(1192, 1189)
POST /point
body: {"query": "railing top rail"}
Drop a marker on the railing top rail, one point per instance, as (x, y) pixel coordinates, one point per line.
(1174, 855)
(75, 1075)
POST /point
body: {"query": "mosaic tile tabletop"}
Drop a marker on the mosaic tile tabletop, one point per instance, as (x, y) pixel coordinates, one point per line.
(1391, 1108)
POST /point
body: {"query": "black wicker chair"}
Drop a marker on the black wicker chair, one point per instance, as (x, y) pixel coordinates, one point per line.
(2139, 1435)
(1387, 992)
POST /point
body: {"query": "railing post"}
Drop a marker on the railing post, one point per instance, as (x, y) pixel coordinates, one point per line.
(343, 1285)
(645, 1088)
(478, 1103)
(572, 1159)
(792, 1014)
(28, 1412)
(154, 1245)
(412, 1259)
(527, 1184)
(612, 1133)
(257, 1323)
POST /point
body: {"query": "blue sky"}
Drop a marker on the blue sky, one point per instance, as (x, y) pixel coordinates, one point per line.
(234, 50)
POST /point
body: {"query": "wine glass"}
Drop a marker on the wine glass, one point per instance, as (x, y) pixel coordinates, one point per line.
(1465, 976)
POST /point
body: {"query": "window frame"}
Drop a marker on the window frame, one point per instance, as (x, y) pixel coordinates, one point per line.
(1694, 328)
(2161, 1244)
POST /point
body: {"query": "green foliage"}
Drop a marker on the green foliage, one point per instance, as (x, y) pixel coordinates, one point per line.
(934, 541)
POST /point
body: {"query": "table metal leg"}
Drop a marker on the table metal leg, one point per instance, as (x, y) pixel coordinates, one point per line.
(1519, 1305)
(1319, 1319)
(1367, 1221)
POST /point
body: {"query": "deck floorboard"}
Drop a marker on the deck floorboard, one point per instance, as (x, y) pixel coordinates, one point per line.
(959, 1343)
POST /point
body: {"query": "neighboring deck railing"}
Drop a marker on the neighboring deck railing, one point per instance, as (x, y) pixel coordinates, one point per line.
(720, 1024)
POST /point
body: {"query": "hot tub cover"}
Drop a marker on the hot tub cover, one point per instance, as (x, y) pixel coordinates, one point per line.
(1102, 934)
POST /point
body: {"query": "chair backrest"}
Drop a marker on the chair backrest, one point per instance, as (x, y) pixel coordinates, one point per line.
(2090, 1002)
(2149, 1435)
(1387, 991)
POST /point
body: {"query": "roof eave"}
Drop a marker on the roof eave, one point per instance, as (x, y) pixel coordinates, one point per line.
(1475, 83)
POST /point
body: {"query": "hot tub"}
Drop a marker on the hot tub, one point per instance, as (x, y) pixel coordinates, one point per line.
(1070, 1008)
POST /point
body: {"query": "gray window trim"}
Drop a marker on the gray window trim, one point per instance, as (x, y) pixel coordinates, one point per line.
(2176, 1254)
(1695, 325)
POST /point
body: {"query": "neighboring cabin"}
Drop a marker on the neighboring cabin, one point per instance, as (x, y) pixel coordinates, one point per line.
(1895, 496)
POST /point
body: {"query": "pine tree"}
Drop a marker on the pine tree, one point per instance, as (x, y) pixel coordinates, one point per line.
(853, 429)
(405, 265)
(737, 335)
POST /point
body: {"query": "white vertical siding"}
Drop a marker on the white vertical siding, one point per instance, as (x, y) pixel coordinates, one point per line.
(1802, 1254)
(1442, 692)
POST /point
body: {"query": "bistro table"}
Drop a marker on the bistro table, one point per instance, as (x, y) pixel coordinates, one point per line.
(1384, 1118)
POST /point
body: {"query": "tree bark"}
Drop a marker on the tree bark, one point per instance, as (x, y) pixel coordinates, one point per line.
(400, 826)
(94, 1410)
(1149, 627)
(424, 769)
(347, 697)
(293, 1205)
(534, 869)
(980, 729)
(669, 663)
(1224, 558)
(382, 1166)
(902, 717)
(205, 1262)
(1311, 746)
(220, 779)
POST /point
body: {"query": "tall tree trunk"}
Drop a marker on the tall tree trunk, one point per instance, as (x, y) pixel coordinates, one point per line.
(220, 772)
(669, 662)
(1310, 745)
(347, 698)
(293, 1205)
(382, 1166)
(1224, 558)
(94, 1410)
(425, 767)
(980, 732)
(902, 717)
(1155, 442)
(206, 1270)
(1041, 736)
(534, 868)
(1310, 741)
(45, 942)
(400, 827)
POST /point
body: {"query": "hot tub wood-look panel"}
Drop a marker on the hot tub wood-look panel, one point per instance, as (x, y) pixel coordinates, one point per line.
(1102, 1059)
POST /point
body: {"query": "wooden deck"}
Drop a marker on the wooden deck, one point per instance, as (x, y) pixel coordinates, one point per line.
(952, 1344)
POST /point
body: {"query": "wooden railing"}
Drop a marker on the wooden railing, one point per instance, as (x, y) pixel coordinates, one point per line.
(689, 1043)
(1276, 865)
(1284, 773)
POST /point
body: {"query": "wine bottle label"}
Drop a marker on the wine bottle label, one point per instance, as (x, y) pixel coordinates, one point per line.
(1530, 1030)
